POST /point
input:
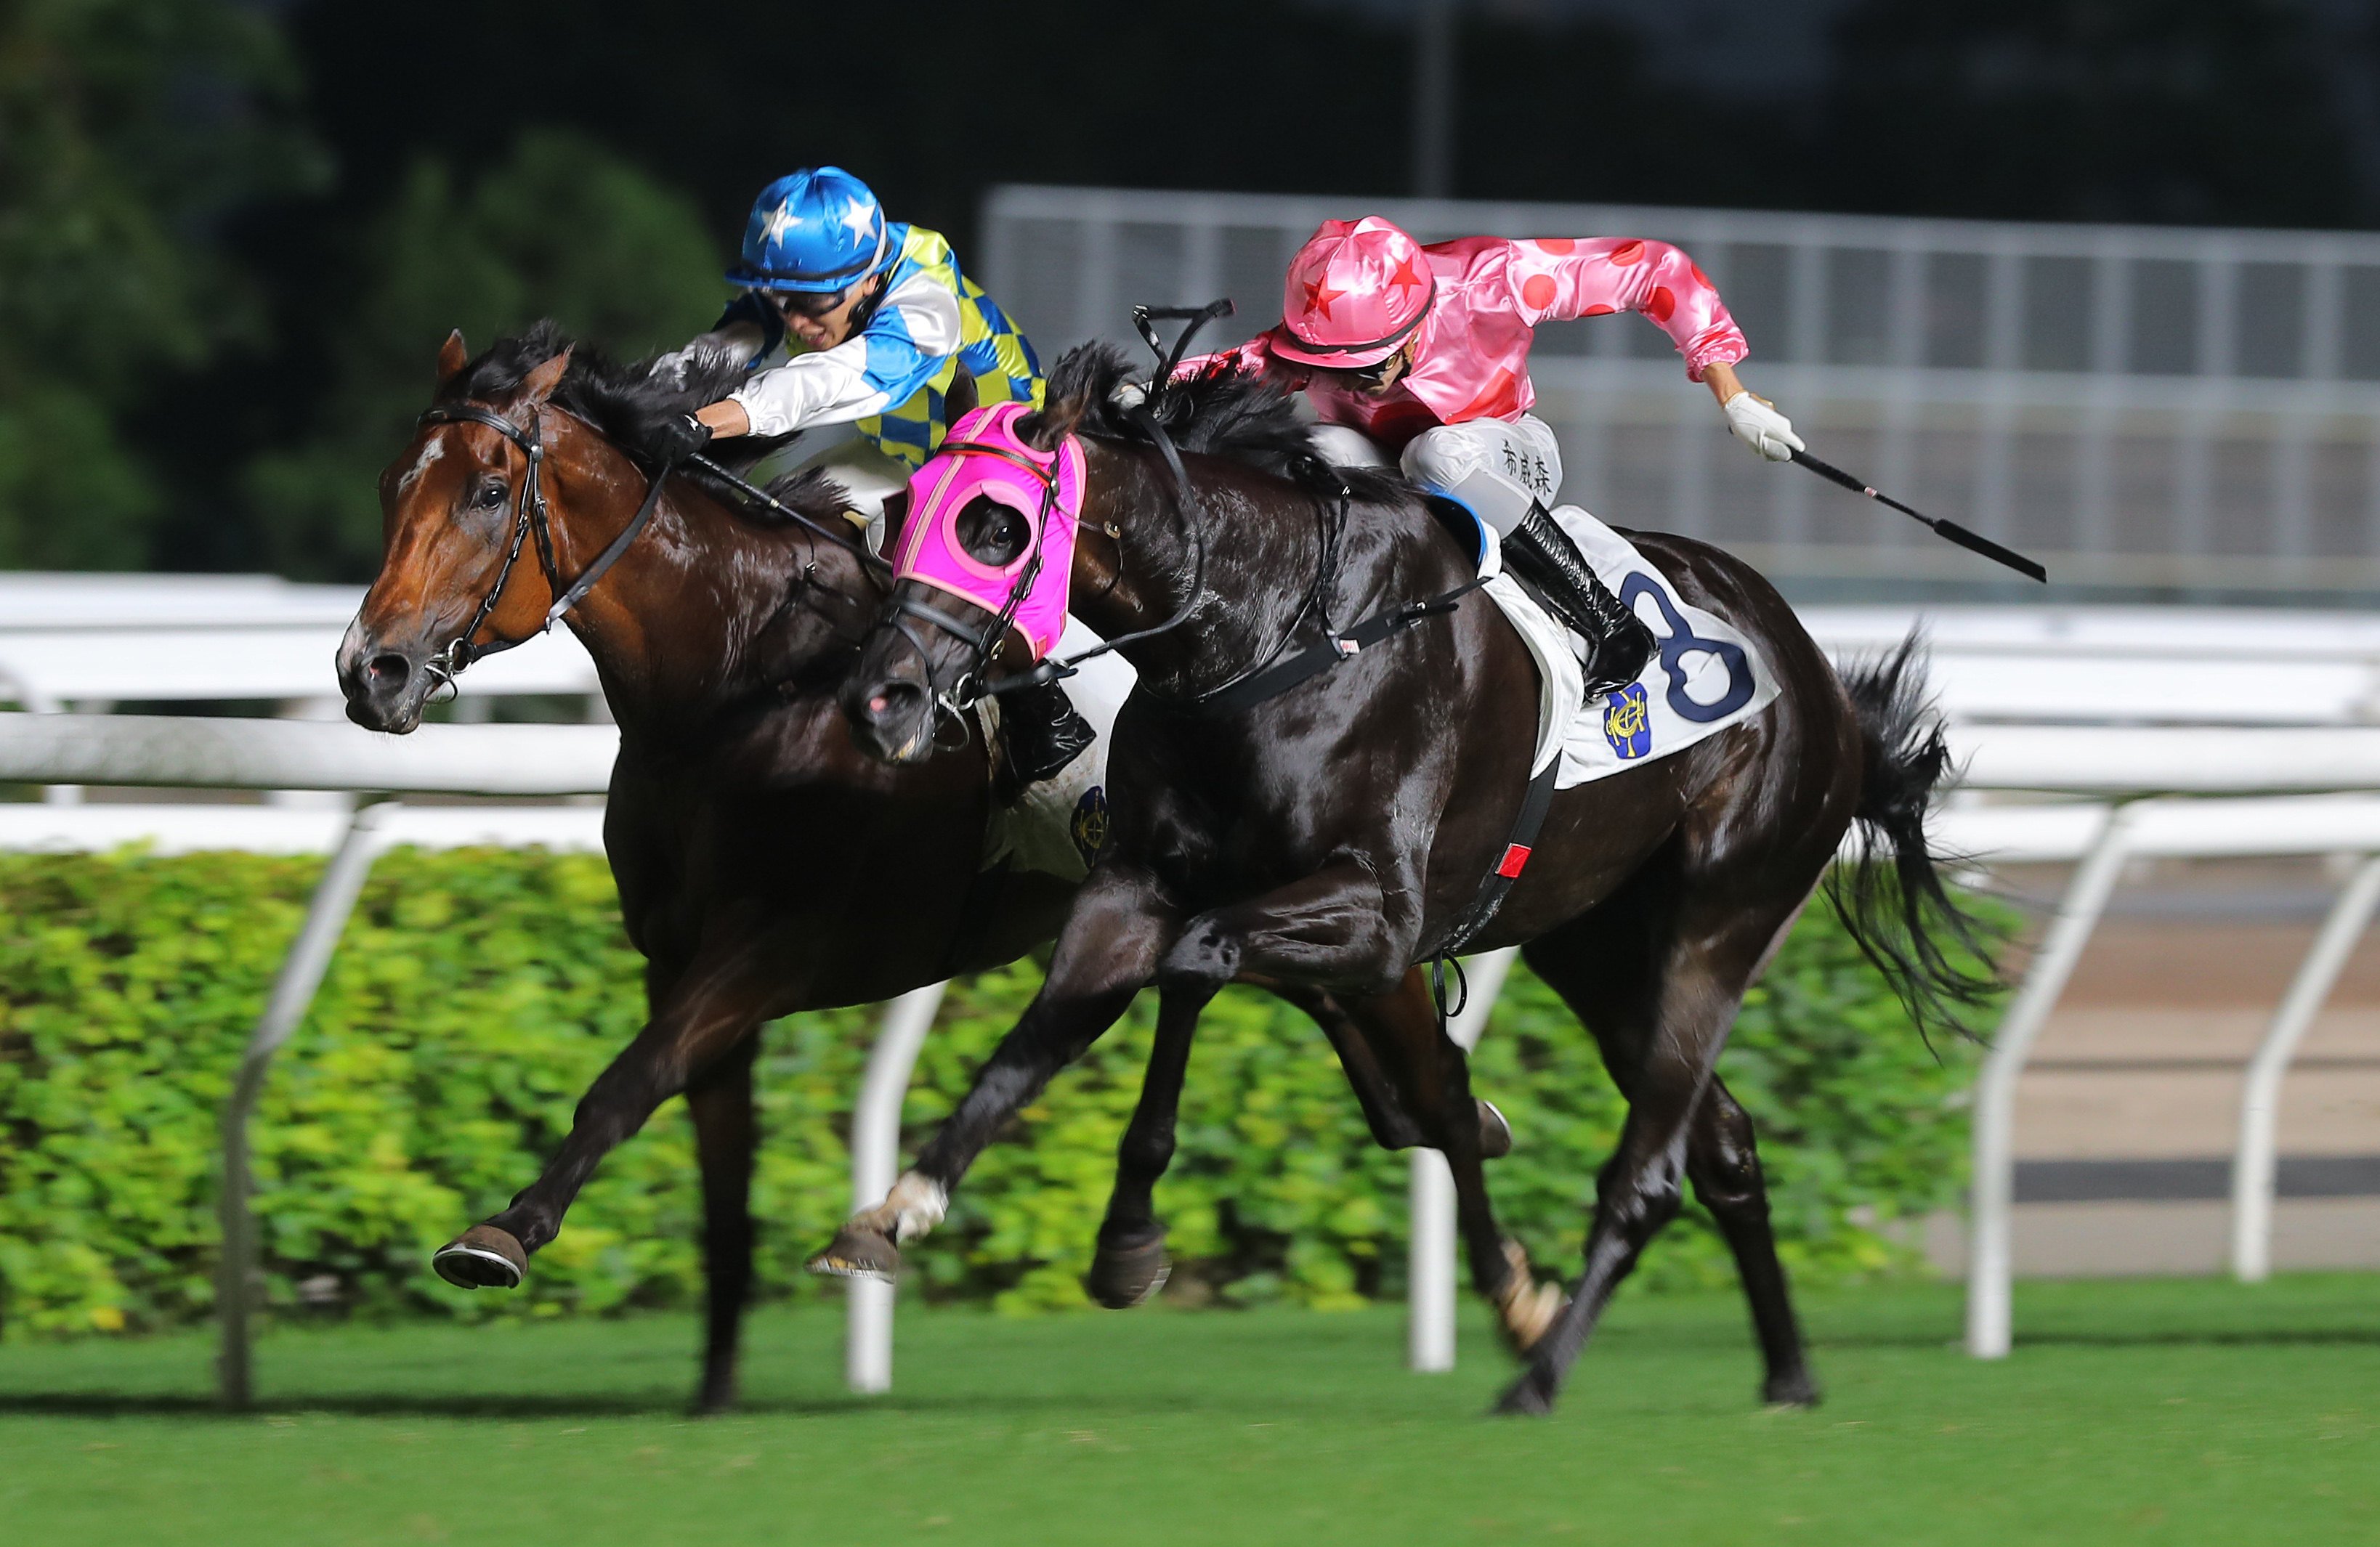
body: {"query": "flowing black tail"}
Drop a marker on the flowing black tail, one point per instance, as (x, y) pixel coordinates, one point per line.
(1901, 915)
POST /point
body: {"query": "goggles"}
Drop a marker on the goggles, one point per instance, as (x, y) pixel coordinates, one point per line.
(809, 305)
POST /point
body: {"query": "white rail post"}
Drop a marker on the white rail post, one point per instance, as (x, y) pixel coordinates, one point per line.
(1993, 1186)
(1430, 1247)
(293, 991)
(2259, 1096)
(875, 1165)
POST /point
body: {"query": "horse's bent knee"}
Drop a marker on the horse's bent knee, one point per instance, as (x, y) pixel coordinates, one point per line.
(1636, 1206)
(1205, 956)
(1732, 1184)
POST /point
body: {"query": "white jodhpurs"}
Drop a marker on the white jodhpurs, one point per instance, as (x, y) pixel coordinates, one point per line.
(1495, 470)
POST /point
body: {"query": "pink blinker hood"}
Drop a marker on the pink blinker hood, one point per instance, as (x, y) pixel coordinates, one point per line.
(984, 457)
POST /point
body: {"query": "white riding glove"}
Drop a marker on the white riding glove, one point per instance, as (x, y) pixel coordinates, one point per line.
(1758, 424)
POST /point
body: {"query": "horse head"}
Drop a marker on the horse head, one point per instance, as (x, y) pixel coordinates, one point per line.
(984, 566)
(456, 509)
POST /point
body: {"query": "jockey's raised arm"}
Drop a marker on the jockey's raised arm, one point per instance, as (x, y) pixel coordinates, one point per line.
(1559, 279)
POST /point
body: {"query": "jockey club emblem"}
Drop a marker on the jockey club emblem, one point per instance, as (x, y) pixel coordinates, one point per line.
(1088, 826)
(1627, 723)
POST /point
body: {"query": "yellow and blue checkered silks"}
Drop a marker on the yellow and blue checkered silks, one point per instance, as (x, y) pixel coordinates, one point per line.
(891, 380)
(993, 351)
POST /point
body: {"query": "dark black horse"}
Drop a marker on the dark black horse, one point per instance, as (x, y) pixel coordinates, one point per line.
(1335, 834)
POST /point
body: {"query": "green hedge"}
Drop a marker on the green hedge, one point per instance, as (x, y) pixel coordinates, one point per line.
(477, 992)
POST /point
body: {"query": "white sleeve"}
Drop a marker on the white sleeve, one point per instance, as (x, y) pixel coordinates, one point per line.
(913, 331)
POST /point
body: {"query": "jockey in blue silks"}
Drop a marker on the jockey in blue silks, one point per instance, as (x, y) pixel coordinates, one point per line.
(848, 319)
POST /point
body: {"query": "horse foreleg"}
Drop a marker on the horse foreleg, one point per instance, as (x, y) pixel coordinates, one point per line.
(720, 1104)
(1108, 953)
(705, 1012)
(1130, 1264)
(1435, 1075)
(1351, 1035)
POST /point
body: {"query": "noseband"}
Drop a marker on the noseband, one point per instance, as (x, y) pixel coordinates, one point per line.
(529, 517)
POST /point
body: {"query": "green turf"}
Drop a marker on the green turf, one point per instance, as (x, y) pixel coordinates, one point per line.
(2141, 1412)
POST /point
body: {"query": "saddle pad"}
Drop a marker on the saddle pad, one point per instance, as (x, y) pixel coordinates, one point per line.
(1056, 826)
(1705, 676)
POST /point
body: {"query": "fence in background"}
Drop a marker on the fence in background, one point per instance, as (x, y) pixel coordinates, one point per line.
(2139, 406)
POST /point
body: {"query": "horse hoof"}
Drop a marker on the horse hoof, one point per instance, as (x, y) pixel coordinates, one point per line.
(1124, 1275)
(1796, 1390)
(482, 1257)
(1525, 1398)
(1495, 1133)
(858, 1252)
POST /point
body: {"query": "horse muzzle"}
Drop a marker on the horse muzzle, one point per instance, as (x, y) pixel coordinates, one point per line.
(892, 721)
(387, 685)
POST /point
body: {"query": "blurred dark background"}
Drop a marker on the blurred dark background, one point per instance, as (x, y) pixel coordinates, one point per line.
(233, 233)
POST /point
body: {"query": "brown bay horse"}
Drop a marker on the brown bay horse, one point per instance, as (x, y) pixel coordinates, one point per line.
(1334, 835)
(765, 865)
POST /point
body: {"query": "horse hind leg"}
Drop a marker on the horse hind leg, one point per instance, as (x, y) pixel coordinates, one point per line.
(1659, 987)
(1723, 1163)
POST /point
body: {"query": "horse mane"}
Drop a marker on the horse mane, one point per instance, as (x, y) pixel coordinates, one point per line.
(624, 402)
(1218, 411)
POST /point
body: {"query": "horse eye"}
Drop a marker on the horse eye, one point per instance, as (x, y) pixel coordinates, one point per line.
(990, 532)
(489, 495)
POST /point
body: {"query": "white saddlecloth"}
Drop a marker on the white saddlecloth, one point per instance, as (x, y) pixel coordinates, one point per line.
(1706, 677)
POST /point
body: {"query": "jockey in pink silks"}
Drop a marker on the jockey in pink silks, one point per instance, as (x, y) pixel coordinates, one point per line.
(1422, 352)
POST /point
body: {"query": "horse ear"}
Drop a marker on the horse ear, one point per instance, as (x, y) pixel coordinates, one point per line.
(538, 384)
(1048, 429)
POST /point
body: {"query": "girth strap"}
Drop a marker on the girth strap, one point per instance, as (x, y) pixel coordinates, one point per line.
(1493, 889)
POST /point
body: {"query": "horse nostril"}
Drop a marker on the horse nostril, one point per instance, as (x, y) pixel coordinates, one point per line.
(389, 670)
(878, 706)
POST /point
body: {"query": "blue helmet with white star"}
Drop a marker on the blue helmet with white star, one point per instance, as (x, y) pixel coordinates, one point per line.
(816, 230)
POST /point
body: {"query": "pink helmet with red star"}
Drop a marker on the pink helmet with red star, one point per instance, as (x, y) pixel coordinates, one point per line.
(1355, 294)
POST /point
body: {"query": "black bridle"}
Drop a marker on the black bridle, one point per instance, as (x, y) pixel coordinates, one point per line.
(530, 518)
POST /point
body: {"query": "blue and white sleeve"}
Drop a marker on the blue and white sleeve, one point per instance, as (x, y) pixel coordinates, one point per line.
(913, 334)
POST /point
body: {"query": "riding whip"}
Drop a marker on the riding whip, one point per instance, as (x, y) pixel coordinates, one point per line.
(1972, 541)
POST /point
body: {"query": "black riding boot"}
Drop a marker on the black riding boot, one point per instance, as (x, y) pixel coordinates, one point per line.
(1618, 642)
(1039, 734)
